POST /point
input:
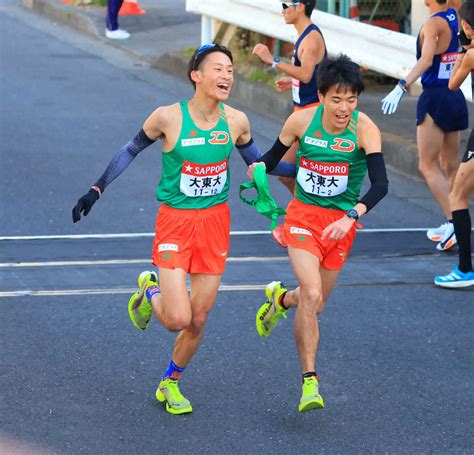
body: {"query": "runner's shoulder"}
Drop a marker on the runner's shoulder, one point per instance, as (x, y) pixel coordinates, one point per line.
(235, 117)
(366, 125)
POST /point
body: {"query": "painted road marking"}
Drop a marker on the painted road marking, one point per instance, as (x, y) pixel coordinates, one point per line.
(128, 262)
(151, 234)
(66, 292)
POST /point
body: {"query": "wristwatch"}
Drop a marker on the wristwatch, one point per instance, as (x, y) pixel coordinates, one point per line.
(276, 61)
(352, 213)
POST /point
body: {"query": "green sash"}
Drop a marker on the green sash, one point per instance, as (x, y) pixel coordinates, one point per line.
(264, 203)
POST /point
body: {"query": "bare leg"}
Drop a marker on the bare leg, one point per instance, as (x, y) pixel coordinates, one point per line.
(430, 139)
(307, 271)
(449, 157)
(203, 294)
(463, 186)
(172, 307)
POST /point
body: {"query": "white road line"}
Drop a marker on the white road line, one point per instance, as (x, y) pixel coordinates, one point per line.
(151, 234)
(66, 292)
(128, 261)
(108, 236)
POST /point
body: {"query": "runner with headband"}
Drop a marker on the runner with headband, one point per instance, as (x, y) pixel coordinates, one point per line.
(198, 136)
(337, 146)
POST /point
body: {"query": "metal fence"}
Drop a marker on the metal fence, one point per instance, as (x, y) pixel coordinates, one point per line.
(391, 14)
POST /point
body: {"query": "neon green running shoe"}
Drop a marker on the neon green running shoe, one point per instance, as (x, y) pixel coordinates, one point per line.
(271, 311)
(139, 308)
(168, 391)
(311, 399)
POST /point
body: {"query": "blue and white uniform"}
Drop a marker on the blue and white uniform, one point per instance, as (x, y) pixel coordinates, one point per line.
(304, 94)
(446, 107)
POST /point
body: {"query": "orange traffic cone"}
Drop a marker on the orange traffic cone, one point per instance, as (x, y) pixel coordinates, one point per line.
(354, 11)
(130, 8)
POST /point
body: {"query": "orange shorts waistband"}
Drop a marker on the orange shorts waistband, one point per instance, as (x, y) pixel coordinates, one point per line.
(193, 213)
(316, 209)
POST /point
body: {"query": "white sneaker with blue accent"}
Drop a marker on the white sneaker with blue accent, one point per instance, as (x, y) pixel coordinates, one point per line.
(456, 279)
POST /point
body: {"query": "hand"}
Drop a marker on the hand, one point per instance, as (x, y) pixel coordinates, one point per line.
(338, 229)
(84, 205)
(263, 53)
(283, 84)
(252, 168)
(390, 102)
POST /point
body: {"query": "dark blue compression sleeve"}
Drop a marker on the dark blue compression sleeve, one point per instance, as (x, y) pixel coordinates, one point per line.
(251, 153)
(123, 158)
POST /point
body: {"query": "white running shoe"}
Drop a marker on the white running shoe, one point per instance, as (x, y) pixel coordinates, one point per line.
(448, 240)
(436, 234)
(117, 34)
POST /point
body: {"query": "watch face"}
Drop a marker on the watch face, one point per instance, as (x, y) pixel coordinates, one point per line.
(353, 214)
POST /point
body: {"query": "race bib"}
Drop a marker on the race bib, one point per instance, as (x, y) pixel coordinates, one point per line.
(447, 64)
(203, 179)
(323, 179)
(295, 89)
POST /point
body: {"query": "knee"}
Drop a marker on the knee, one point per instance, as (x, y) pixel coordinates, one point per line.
(425, 167)
(199, 321)
(310, 300)
(449, 168)
(177, 322)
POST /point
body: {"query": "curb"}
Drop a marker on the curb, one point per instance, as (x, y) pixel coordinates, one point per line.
(400, 154)
(63, 14)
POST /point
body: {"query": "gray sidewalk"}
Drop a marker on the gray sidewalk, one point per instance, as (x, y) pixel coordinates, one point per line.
(167, 28)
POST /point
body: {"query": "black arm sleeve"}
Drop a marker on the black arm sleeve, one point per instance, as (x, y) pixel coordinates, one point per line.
(123, 158)
(378, 180)
(274, 155)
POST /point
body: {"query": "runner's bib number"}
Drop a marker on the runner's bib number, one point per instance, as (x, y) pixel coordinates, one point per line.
(295, 90)
(447, 64)
(322, 179)
(203, 179)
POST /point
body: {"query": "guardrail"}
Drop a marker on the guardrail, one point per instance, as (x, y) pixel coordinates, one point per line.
(375, 48)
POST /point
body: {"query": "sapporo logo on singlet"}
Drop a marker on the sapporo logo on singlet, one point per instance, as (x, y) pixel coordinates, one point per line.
(447, 64)
(203, 179)
(322, 179)
(217, 137)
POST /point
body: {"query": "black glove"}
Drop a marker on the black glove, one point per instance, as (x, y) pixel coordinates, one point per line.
(84, 205)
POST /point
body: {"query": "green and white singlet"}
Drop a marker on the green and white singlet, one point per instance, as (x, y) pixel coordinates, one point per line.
(196, 172)
(330, 168)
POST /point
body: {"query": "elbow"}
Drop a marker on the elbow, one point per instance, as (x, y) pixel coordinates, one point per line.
(383, 188)
(452, 86)
(306, 79)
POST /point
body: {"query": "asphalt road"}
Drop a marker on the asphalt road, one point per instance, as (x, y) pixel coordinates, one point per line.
(395, 362)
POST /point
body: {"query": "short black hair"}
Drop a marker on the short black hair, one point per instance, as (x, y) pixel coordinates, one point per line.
(340, 73)
(200, 54)
(466, 12)
(309, 6)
